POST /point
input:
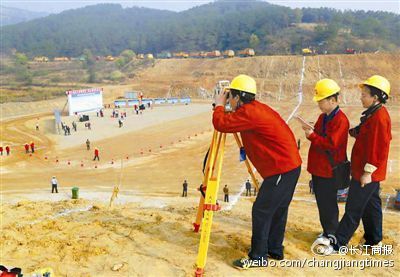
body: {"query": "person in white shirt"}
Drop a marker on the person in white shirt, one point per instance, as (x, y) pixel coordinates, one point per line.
(54, 184)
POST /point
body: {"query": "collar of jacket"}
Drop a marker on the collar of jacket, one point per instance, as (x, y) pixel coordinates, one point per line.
(369, 112)
(365, 115)
(328, 118)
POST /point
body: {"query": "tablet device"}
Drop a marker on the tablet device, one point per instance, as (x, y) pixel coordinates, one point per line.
(304, 122)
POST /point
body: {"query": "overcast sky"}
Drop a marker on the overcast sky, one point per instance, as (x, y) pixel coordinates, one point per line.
(56, 6)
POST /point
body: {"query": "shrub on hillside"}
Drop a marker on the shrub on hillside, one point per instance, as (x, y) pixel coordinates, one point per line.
(116, 76)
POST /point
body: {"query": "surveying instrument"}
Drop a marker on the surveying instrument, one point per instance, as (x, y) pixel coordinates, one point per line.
(208, 200)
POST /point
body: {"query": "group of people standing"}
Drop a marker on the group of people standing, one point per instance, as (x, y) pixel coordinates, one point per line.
(225, 190)
(67, 129)
(369, 158)
(7, 149)
(100, 113)
(31, 146)
(271, 146)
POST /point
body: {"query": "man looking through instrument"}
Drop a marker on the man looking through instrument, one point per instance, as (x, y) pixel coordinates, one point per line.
(271, 147)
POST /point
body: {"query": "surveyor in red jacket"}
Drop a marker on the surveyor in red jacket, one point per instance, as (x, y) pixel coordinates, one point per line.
(271, 147)
(32, 147)
(1, 150)
(368, 165)
(8, 150)
(328, 148)
(26, 148)
(96, 154)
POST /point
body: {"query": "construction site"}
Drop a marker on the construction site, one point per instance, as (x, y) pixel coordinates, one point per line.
(130, 218)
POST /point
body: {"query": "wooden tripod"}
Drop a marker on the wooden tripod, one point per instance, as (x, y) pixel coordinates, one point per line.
(208, 204)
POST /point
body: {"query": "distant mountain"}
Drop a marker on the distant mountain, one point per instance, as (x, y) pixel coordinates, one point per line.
(9, 16)
(270, 29)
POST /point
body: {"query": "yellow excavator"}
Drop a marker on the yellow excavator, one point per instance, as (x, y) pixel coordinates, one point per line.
(308, 51)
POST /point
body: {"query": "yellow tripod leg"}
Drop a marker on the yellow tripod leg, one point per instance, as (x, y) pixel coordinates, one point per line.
(210, 205)
(211, 155)
(199, 215)
(116, 188)
(249, 169)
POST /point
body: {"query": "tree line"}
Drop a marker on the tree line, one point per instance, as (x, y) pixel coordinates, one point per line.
(108, 29)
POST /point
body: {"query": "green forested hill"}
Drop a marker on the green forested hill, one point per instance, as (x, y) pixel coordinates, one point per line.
(109, 29)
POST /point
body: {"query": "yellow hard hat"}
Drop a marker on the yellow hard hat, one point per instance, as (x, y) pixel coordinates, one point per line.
(325, 88)
(244, 83)
(378, 82)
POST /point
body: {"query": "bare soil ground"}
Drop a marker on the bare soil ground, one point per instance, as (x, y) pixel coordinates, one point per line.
(149, 231)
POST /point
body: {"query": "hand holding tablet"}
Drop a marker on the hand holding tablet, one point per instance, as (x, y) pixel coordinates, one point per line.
(304, 123)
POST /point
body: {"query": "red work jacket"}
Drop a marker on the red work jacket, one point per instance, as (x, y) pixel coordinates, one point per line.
(372, 146)
(333, 140)
(268, 141)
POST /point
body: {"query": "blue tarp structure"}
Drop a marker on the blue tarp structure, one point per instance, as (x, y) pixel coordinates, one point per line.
(133, 102)
(185, 100)
(157, 101)
(172, 100)
(120, 103)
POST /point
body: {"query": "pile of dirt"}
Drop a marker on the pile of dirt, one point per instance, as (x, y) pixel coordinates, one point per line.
(87, 238)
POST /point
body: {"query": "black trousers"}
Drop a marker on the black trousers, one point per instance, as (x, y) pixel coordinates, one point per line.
(184, 193)
(269, 214)
(226, 198)
(326, 196)
(96, 157)
(363, 203)
(248, 191)
(54, 187)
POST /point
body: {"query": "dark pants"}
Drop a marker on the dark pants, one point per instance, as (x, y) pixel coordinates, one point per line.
(248, 191)
(270, 212)
(184, 193)
(226, 198)
(362, 203)
(96, 157)
(54, 187)
(326, 196)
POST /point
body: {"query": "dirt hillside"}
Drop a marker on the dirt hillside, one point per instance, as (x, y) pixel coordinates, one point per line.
(148, 232)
